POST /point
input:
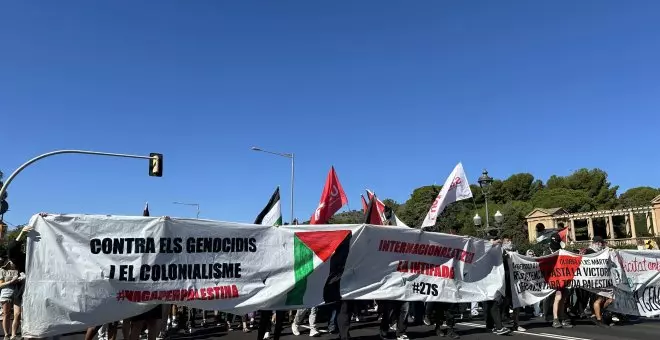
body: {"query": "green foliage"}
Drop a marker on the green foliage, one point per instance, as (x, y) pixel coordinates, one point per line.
(636, 197)
(415, 209)
(591, 182)
(348, 217)
(515, 197)
(569, 199)
(514, 220)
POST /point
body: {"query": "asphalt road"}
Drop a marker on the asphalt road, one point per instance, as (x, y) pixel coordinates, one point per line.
(368, 330)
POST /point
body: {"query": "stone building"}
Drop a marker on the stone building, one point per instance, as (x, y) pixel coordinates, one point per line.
(557, 218)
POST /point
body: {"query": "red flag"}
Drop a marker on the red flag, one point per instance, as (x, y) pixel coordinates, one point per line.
(372, 216)
(380, 206)
(563, 234)
(332, 199)
(365, 206)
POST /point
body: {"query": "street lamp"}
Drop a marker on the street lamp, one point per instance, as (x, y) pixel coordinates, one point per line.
(477, 220)
(499, 218)
(190, 204)
(285, 155)
(484, 183)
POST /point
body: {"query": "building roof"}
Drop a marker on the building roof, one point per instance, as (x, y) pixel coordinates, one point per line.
(542, 212)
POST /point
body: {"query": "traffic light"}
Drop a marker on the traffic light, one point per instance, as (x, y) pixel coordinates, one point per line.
(156, 165)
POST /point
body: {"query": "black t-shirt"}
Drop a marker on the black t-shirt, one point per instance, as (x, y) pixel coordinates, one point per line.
(16, 255)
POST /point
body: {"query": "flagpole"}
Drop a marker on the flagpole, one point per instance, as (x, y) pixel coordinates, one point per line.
(292, 179)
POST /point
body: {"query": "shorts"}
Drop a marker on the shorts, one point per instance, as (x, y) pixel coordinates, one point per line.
(18, 294)
(7, 294)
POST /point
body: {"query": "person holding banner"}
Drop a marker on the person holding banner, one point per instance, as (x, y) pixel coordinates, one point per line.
(16, 259)
(494, 308)
(599, 303)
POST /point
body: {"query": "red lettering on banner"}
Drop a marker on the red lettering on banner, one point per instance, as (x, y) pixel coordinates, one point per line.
(426, 250)
(559, 270)
(428, 269)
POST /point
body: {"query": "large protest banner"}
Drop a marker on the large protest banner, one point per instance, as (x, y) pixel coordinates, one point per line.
(405, 264)
(536, 278)
(637, 280)
(88, 270)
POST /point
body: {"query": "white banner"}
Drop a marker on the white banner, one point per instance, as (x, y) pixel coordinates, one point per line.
(406, 264)
(637, 280)
(89, 270)
(536, 278)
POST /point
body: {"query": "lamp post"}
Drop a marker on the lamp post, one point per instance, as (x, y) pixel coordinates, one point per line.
(484, 183)
(285, 155)
(499, 218)
(190, 204)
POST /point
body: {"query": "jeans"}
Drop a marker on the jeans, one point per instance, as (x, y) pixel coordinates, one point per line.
(300, 316)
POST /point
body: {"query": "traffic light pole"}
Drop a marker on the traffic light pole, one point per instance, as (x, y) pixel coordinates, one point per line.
(58, 152)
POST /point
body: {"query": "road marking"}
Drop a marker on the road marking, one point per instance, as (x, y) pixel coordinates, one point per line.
(543, 335)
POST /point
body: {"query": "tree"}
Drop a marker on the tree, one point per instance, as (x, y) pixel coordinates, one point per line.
(514, 224)
(638, 197)
(418, 205)
(347, 217)
(593, 182)
(520, 187)
(569, 199)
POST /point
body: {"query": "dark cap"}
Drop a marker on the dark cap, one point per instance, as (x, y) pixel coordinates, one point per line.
(598, 239)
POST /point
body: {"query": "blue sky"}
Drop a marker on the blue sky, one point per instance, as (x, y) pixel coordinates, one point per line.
(392, 93)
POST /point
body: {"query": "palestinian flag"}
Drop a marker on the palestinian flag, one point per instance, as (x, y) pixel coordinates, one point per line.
(372, 215)
(312, 249)
(272, 213)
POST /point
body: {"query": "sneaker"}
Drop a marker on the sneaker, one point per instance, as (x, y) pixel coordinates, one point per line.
(474, 312)
(427, 321)
(597, 322)
(393, 328)
(566, 324)
(295, 329)
(556, 324)
(160, 336)
(519, 329)
(502, 331)
(313, 332)
(266, 335)
(451, 333)
(402, 337)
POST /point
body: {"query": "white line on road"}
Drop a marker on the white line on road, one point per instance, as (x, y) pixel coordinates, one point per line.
(543, 335)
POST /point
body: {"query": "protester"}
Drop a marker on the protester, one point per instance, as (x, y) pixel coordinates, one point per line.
(270, 322)
(599, 303)
(300, 318)
(444, 312)
(494, 308)
(397, 310)
(507, 246)
(16, 259)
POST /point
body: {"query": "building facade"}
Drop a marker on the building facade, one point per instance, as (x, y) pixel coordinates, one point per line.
(558, 218)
